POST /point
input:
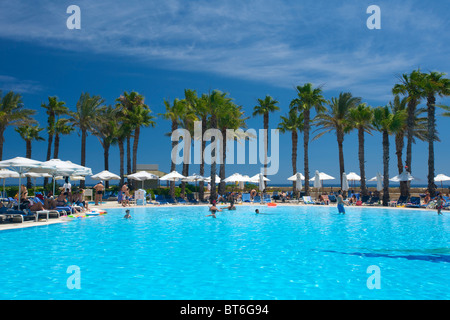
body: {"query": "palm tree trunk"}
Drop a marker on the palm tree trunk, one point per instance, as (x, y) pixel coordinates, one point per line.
(121, 156)
(340, 140)
(172, 165)
(431, 100)
(385, 168)
(83, 153)
(213, 195)
(306, 115)
(410, 134)
(201, 194)
(399, 144)
(137, 133)
(28, 155)
(106, 159)
(2, 140)
(129, 155)
(294, 156)
(49, 153)
(222, 164)
(362, 168)
(56, 150)
(266, 141)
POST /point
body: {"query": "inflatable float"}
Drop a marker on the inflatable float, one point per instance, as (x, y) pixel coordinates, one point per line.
(92, 213)
(271, 204)
(96, 212)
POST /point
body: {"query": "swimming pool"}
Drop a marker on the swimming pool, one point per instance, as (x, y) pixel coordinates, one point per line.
(305, 252)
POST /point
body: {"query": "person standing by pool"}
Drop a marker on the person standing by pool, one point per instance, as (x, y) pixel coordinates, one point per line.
(340, 203)
(125, 195)
(439, 203)
(98, 192)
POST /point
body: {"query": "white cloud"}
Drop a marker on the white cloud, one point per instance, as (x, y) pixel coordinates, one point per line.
(279, 43)
(8, 83)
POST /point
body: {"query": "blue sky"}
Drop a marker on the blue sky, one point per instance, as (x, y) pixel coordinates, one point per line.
(246, 48)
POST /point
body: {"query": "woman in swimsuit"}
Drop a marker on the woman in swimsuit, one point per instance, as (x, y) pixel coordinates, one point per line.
(213, 210)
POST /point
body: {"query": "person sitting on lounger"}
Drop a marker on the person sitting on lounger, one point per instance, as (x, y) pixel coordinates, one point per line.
(427, 198)
(61, 201)
(49, 203)
(35, 206)
(77, 200)
(23, 192)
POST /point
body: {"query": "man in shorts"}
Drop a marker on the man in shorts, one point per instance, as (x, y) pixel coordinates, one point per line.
(125, 195)
(99, 188)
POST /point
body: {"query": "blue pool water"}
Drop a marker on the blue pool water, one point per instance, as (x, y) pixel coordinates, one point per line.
(178, 253)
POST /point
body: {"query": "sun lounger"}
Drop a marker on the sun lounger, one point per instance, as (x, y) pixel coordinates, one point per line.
(414, 202)
(246, 197)
(256, 199)
(181, 200)
(373, 201)
(171, 200)
(266, 198)
(365, 199)
(307, 200)
(191, 199)
(401, 201)
(161, 199)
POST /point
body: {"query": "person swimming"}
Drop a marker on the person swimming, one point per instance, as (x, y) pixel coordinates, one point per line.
(213, 210)
(127, 214)
(231, 206)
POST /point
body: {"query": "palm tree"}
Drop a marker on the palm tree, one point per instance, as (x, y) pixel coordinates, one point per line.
(361, 119)
(419, 132)
(292, 122)
(387, 123)
(63, 126)
(106, 129)
(263, 108)
(433, 84)
(173, 113)
(336, 119)
(202, 113)
(230, 117)
(307, 99)
(29, 133)
(214, 103)
(187, 119)
(12, 113)
(139, 115)
(409, 86)
(85, 115)
(54, 108)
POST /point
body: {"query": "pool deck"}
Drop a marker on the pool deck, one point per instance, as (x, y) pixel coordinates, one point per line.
(115, 205)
